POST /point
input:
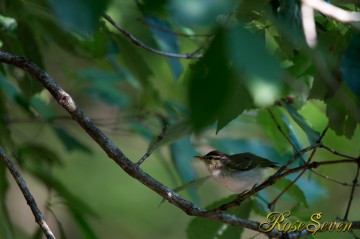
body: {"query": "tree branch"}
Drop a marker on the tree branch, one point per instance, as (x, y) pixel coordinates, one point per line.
(180, 34)
(113, 152)
(39, 218)
(352, 192)
(137, 42)
(152, 147)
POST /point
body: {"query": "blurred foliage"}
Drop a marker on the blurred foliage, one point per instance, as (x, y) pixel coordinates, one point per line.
(255, 61)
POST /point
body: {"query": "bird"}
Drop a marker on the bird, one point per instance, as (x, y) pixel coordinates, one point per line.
(237, 172)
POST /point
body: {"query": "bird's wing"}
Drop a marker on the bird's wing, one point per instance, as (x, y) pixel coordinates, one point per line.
(247, 161)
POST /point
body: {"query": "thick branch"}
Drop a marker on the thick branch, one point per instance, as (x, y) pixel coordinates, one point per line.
(114, 152)
(135, 171)
(39, 218)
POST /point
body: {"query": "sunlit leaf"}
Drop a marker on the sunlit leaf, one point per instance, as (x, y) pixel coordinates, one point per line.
(7, 24)
(270, 128)
(251, 57)
(295, 193)
(311, 134)
(295, 141)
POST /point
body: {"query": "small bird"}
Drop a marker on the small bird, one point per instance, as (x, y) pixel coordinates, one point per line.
(237, 172)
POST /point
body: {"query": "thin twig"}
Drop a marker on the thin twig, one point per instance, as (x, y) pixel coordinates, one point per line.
(180, 34)
(333, 180)
(153, 146)
(137, 42)
(284, 134)
(39, 218)
(303, 171)
(336, 152)
(352, 192)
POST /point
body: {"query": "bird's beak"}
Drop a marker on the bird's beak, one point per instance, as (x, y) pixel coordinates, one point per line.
(198, 157)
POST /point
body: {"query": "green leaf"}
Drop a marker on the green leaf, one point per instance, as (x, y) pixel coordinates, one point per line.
(201, 228)
(31, 47)
(297, 146)
(209, 84)
(7, 24)
(157, 7)
(247, 11)
(44, 110)
(85, 227)
(74, 203)
(251, 57)
(350, 126)
(176, 132)
(189, 185)
(301, 63)
(167, 42)
(81, 16)
(6, 227)
(134, 61)
(182, 153)
(34, 154)
(5, 135)
(141, 130)
(319, 88)
(239, 100)
(350, 65)
(259, 207)
(77, 207)
(270, 128)
(294, 192)
(70, 142)
(311, 134)
(104, 86)
(14, 94)
(61, 37)
(98, 44)
(342, 109)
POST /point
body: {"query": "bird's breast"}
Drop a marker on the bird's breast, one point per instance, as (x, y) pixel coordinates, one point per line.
(239, 181)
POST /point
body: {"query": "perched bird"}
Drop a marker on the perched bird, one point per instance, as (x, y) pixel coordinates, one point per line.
(237, 172)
